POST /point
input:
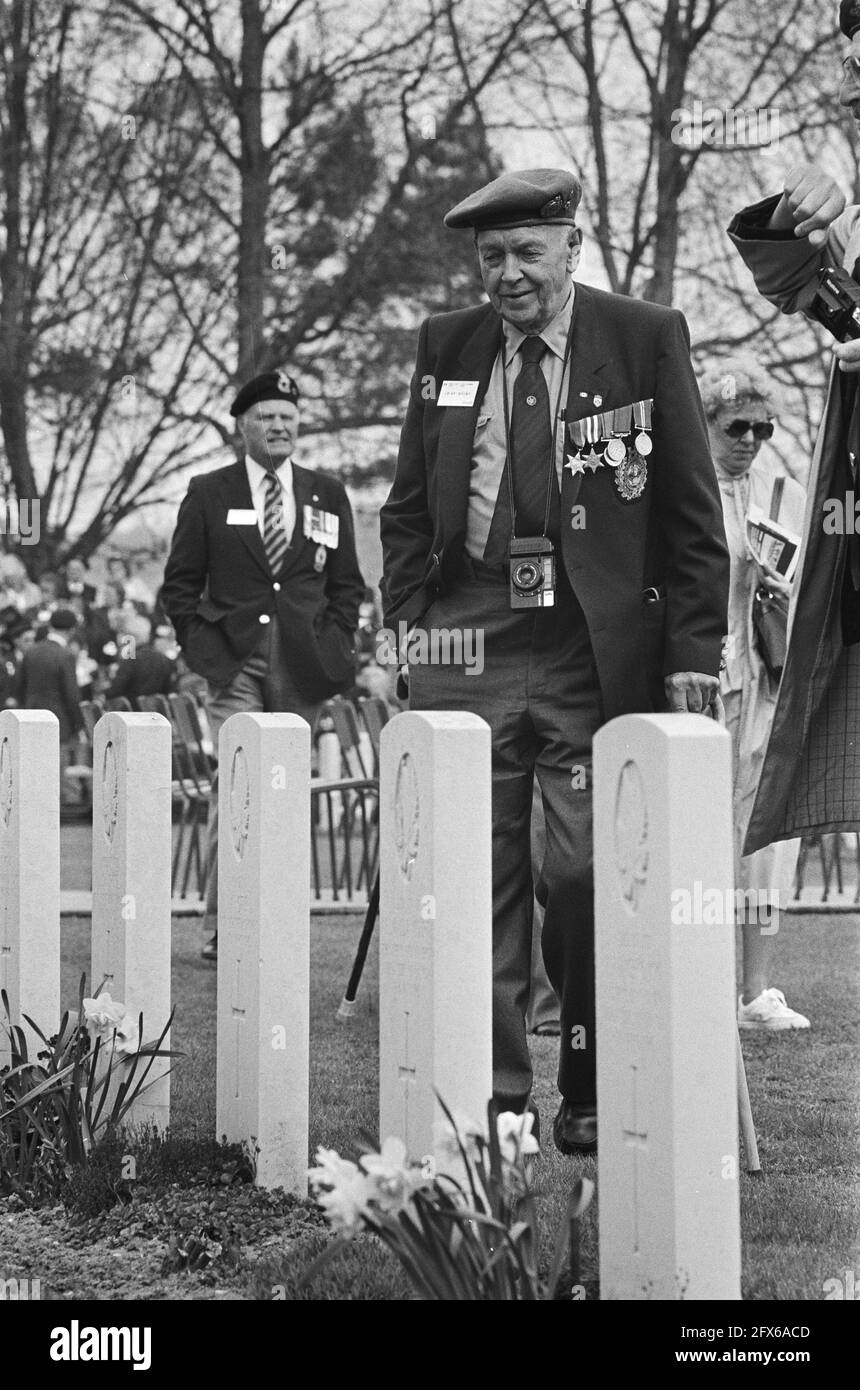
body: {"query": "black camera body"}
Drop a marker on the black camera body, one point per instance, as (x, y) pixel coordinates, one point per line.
(532, 570)
(837, 303)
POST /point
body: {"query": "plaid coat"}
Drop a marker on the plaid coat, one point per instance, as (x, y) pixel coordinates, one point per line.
(810, 780)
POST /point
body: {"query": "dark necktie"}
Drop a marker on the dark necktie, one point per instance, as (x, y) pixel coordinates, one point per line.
(531, 442)
(275, 539)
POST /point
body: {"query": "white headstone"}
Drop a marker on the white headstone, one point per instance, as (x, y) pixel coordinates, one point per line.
(435, 940)
(666, 1031)
(264, 942)
(131, 882)
(30, 871)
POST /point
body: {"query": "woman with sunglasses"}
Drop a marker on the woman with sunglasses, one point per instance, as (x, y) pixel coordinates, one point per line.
(739, 408)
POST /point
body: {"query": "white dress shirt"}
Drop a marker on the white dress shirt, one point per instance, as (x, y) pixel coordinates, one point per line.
(257, 475)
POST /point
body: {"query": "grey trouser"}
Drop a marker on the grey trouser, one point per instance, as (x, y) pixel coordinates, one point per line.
(539, 693)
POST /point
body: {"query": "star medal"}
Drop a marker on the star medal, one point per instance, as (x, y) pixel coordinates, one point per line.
(319, 559)
(592, 460)
(575, 464)
(642, 417)
(631, 476)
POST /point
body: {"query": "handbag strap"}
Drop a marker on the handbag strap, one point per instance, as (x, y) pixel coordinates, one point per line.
(776, 497)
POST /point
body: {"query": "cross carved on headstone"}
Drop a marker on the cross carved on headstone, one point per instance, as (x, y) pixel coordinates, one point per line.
(635, 1139)
(239, 1015)
(406, 1073)
(107, 952)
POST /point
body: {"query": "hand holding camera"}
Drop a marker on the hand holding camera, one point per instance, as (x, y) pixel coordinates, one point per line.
(811, 200)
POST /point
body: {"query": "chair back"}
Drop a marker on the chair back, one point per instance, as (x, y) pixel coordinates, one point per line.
(356, 752)
(375, 714)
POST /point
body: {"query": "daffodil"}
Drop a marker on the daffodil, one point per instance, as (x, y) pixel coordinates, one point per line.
(515, 1135)
(396, 1180)
(108, 1019)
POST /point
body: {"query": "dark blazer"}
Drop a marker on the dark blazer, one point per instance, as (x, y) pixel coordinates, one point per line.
(672, 538)
(47, 679)
(218, 585)
(810, 775)
(148, 672)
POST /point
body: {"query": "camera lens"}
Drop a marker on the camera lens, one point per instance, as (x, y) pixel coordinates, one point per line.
(527, 576)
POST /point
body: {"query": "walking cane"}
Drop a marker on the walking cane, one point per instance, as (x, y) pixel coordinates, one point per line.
(346, 1008)
(745, 1115)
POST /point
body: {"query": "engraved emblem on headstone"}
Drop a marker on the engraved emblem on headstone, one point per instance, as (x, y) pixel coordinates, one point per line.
(7, 791)
(631, 835)
(406, 815)
(110, 791)
(240, 802)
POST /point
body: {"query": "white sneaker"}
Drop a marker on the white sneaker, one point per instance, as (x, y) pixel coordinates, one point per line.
(769, 1011)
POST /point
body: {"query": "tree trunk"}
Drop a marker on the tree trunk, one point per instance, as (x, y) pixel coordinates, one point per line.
(14, 348)
(670, 170)
(254, 195)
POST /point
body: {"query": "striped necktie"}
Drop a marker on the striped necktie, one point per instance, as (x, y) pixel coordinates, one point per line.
(275, 540)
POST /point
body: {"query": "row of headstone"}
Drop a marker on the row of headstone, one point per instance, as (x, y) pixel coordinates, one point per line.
(666, 1070)
(130, 953)
(668, 1152)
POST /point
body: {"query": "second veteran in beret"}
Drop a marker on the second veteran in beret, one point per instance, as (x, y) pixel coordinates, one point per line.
(262, 583)
(554, 495)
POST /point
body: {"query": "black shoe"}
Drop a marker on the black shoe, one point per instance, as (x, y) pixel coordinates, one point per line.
(574, 1129)
(210, 950)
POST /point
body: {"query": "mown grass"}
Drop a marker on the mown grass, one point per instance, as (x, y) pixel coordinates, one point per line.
(800, 1219)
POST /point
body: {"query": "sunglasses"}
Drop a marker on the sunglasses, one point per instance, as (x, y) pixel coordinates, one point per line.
(762, 429)
(851, 67)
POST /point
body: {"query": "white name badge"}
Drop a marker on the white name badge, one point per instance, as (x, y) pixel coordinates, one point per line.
(321, 527)
(457, 393)
(241, 516)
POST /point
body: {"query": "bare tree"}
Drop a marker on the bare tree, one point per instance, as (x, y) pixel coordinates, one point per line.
(675, 113)
(92, 358)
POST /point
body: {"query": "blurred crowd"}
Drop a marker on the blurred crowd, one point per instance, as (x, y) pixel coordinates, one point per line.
(120, 640)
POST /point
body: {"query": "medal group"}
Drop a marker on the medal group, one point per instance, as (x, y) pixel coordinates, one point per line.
(611, 430)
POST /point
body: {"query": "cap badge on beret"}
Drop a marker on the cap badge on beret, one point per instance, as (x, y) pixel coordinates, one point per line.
(276, 385)
(523, 198)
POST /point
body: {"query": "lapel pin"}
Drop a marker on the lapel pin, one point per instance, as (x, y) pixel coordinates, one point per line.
(598, 400)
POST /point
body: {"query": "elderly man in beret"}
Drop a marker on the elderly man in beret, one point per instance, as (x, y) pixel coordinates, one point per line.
(554, 490)
(262, 583)
(810, 780)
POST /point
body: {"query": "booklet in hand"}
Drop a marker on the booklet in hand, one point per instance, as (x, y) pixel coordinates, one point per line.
(771, 542)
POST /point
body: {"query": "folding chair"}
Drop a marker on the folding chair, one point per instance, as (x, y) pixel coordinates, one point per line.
(374, 714)
(121, 704)
(347, 806)
(195, 781)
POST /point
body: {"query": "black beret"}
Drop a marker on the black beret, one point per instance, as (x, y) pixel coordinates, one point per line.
(63, 619)
(270, 386)
(526, 198)
(849, 17)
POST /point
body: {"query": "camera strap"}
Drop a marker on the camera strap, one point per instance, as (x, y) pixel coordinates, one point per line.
(552, 476)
